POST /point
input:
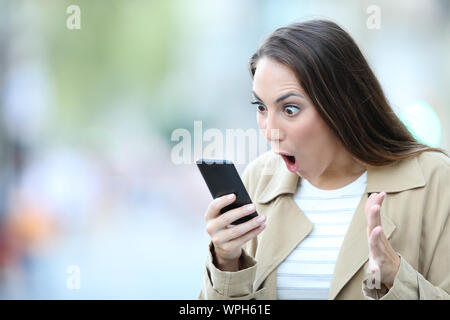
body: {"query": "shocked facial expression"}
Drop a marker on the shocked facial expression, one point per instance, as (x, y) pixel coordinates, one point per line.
(289, 120)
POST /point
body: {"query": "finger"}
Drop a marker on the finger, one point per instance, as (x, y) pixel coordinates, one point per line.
(214, 207)
(370, 201)
(372, 208)
(375, 198)
(229, 234)
(379, 198)
(224, 221)
(375, 243)
(248, 236)
(373, 219)
(228, 217)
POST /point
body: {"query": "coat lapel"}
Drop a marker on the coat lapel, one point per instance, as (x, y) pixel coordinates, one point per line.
(286, 224)
(284, 231)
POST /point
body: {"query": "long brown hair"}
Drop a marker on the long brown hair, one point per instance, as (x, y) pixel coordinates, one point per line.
(347, 95)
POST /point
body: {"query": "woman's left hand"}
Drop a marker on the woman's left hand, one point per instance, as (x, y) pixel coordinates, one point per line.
(384, 262)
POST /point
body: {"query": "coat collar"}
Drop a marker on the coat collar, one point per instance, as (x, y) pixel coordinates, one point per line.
(399, 176)
(286, 229)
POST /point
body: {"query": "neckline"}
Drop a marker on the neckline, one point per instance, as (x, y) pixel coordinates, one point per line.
(354, 186)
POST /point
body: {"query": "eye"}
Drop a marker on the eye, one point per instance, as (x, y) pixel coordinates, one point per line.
(291, 110)
(259, 106)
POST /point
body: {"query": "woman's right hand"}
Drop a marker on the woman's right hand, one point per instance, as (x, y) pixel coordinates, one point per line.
(227, 238)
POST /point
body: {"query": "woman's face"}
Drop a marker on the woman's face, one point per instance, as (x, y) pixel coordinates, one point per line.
(284, 107)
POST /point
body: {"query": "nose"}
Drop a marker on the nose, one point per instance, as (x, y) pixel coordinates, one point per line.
(272, 128)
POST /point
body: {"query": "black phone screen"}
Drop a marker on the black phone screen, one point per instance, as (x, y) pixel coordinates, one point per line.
(222, 178)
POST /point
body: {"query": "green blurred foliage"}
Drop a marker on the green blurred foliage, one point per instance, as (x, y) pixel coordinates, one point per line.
(121, 54)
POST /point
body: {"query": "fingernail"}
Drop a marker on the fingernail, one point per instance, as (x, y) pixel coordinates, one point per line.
(230, 196)
(250, 207)
(261, 219)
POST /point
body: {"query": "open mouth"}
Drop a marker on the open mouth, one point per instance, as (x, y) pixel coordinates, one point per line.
(291, 162)
(291, 159)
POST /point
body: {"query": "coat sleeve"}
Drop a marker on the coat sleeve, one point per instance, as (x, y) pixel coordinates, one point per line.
(225, 285)
(409, 284)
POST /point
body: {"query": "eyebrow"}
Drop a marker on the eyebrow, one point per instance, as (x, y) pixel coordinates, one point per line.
(284, 96)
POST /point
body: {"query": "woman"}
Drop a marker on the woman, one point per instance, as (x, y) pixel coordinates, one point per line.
(350, 205)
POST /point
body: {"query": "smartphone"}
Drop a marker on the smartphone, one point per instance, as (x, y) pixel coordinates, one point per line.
(222, 178)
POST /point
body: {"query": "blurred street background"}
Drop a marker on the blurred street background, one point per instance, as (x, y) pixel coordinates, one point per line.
(91, 204)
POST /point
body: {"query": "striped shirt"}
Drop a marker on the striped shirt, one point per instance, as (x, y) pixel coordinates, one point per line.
(307, 272)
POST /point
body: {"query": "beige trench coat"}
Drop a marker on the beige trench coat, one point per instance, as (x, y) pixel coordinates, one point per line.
(414, 216)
